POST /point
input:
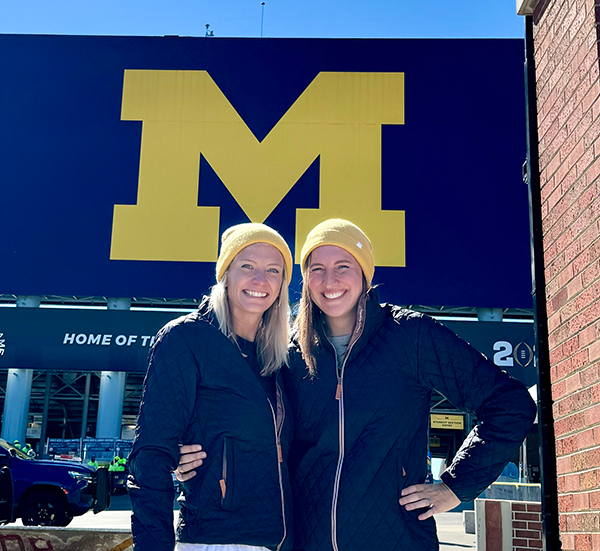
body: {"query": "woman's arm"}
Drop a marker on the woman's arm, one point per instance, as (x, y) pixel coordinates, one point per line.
(470, 381)
(167, 403)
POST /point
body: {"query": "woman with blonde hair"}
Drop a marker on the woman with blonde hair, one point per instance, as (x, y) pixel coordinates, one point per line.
(213, 378)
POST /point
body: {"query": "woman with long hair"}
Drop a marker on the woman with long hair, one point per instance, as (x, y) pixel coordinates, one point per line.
(360, 387)
(213, 378)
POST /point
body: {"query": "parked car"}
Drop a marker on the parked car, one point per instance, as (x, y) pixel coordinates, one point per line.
(51, 493)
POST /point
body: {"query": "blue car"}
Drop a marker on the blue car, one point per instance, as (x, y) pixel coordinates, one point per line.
(51, 493)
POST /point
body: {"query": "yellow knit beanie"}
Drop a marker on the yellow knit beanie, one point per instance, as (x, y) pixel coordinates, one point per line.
(345, 235)
(238, 237)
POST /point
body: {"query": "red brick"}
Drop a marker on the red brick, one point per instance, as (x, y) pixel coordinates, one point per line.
(534, 526)
(572, 523)
(579, 462)
(518, 507)
(594, 499)
(519, 524)
(580, 359)
(565, 505)
(528, 534)
(581, 502)
(571, 485)
(560, 429)
(583, 542)
(559, 390)
(556, 354)
(590, 522)
(590, 375)
(568, 541)
(575, 422)
(559, 300)
(564, 368)
(536, 544)
(573, 383)
(516, 542)
(593, 457)
(587, 336)
(585, 439)
(592, 415)
(595, 389)
(563, 465)
(559, 446)
(594, 351)
(588, 480)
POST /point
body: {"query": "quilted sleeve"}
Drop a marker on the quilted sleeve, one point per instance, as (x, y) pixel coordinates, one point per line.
(167, 403)
(473, 383)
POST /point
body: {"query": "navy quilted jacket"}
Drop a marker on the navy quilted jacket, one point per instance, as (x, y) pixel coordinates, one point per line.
(353, 456)
(199, 388)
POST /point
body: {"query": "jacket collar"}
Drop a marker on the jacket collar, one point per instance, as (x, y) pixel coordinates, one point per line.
(370, 316)
(206, 313)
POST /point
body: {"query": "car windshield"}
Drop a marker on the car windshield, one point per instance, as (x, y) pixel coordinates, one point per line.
(13, 451)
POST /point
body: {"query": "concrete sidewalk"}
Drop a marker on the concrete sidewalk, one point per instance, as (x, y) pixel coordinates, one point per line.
(449, 525)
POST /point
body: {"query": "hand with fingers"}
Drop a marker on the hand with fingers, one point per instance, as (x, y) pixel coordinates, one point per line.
(191, 457)
(435, 498)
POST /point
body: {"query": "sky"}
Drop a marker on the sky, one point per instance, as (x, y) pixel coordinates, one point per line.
(282, 18)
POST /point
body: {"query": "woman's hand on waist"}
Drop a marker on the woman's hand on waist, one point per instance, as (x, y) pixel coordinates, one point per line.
(434, 498)
(191, 457)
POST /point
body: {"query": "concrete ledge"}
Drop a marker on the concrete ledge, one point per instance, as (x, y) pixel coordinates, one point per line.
(469, 522)
(42, 538)
(513, 491)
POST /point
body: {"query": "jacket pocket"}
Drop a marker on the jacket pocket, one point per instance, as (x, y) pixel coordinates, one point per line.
(227, 471)
(400, 476)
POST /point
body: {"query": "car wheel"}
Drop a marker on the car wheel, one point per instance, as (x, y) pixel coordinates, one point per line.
(44, 509)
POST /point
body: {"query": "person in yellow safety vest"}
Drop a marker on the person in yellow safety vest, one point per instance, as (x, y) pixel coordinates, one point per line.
(17, 445)
(120, 463)
(117, 464)
(93, 462)
(27, 449)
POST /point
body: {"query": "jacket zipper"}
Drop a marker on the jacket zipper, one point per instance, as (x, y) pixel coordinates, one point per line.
(339, 395)
(223, 481)
(278, 426)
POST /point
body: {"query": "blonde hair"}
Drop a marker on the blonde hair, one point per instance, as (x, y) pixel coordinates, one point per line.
(272, 336)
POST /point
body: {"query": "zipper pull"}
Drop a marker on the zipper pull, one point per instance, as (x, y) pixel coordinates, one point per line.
(223, 488)
(338, 392)
(279, 453)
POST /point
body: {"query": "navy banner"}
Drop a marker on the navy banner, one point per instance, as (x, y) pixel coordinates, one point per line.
(124, 158)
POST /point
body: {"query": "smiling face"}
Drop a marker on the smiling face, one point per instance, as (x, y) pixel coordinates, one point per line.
(335, 283)
(254, 280)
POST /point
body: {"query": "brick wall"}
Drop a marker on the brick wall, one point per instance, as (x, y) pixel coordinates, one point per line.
(526, 526)
(503, 525)
(568, 95)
